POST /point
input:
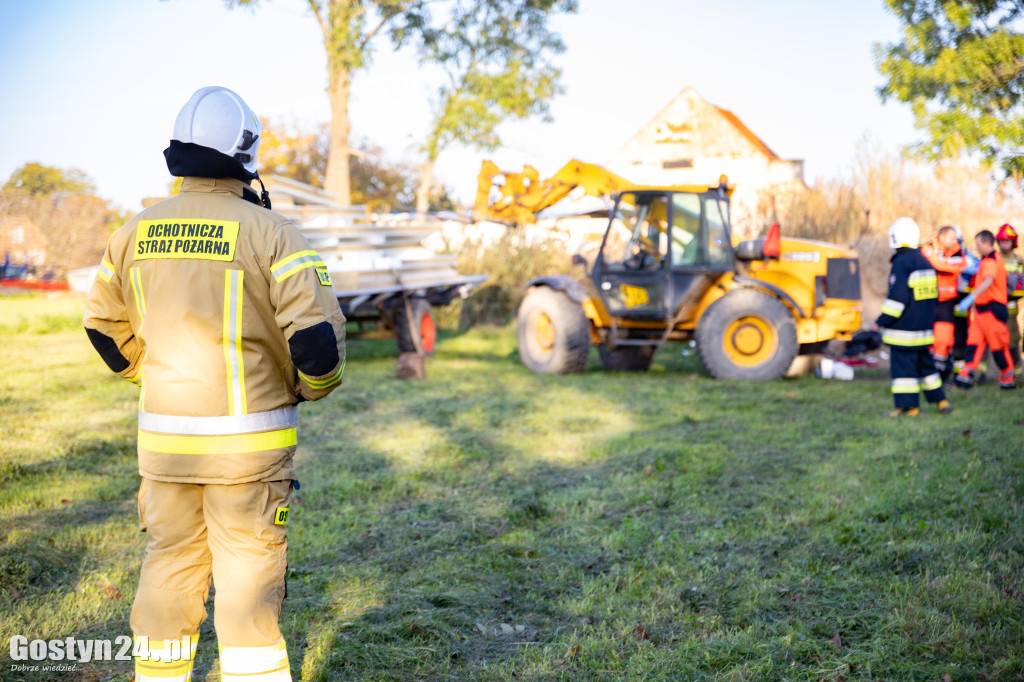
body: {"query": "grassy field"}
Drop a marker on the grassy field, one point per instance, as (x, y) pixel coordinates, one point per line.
(491, 524)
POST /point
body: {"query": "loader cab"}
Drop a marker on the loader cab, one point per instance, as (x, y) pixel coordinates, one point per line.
(661, 252)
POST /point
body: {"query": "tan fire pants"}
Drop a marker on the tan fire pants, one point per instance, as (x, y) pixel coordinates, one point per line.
(229, 532)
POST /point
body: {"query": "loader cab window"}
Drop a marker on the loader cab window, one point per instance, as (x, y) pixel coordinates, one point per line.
(716, 213)
(638, 234)
(686, 236)
(699, 230)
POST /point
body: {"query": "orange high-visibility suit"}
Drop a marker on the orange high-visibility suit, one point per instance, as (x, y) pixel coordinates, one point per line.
(988, 324)
(947, 264)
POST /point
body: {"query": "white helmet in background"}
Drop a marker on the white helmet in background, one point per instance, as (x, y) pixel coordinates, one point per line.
(217, 118)
(904, 232)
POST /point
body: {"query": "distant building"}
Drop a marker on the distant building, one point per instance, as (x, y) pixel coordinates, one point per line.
(694, 142)
(21, 242)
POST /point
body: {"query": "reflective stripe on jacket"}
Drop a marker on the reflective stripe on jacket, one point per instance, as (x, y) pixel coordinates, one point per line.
(225, 315)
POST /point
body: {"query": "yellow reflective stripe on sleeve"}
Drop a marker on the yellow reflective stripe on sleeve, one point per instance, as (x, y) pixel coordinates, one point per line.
(140, 297)
(217, 445)
(892, 308)
(286, 267)
(233, 280)
(106, 271)
(324, 383)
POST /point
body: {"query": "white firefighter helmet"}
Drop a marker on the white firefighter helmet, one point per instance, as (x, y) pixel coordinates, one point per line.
(217, 118)
(904, 232)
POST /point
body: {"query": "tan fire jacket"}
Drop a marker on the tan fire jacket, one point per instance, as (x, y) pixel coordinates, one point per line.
(225, 315)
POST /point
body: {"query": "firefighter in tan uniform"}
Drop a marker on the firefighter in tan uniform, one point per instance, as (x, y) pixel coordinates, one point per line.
(225, 316)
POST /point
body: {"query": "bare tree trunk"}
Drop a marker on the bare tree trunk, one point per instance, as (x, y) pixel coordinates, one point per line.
(336, 178)
(423, 189)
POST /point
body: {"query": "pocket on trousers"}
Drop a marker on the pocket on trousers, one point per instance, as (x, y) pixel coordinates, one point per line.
(143, 525)
(273, 512)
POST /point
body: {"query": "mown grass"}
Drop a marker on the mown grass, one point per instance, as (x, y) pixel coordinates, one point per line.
(491, 524)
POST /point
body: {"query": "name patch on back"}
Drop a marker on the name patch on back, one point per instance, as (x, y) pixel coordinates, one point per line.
(176, 238)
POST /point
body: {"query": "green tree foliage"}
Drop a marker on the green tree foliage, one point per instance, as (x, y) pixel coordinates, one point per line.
(496, 57)
(495, 52)
(38, 180)
(348, 28)
(960, 67)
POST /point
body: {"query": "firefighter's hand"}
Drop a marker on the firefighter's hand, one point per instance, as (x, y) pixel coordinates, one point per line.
(874, 326)
(965, 305)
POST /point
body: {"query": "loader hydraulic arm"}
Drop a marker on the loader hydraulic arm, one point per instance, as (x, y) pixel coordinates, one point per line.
(523, 194)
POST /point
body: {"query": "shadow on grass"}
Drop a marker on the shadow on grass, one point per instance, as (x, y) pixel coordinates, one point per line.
(671, 527)
(725, 526)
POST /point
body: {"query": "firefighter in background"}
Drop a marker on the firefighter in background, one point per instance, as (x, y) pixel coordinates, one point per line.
(947, 259)
(988, 317)
(226, 317)
(907, 320)
(963, 286)
(1007, 238)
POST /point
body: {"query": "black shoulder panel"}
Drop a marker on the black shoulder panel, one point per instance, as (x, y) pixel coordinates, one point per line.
(314, 350)
(108, 350)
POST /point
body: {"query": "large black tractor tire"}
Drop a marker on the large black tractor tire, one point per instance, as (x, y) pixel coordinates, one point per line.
(421, 324)
(626, 358)
(554, 332)
(747, 334)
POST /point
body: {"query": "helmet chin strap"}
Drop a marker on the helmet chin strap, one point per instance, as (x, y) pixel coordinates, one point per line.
(264, 195)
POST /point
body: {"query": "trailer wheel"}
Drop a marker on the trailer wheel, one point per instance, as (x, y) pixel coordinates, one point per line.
(554, 333)
(747, 334)
(626, 358)
(421, 324)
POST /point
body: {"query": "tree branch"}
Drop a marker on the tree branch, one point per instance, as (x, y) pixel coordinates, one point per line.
(391, 14)
(315, 7)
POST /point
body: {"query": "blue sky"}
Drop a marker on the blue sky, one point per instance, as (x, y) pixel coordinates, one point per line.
(97, 85)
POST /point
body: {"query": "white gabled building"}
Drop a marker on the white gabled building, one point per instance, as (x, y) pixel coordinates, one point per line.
(694, 142)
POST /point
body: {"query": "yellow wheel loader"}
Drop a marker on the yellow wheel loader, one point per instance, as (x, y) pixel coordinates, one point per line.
(668, 269)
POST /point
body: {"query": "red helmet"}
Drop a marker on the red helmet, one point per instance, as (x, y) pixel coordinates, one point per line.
(1007, 232)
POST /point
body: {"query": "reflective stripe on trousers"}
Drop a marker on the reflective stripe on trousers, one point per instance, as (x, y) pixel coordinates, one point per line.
(263, 663)
(230, 532)
(913, 372)
(163, 661)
